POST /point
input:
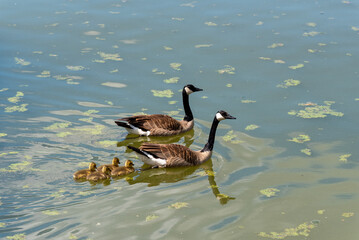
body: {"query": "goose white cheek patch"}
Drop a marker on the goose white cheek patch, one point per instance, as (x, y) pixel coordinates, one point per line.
(188, 91)
(219, 117)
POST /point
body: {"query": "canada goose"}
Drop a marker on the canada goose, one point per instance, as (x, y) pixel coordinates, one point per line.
(104, 174)
(160, 124)
(121, 171)
(82, 174)
(115, 162)
(174, 155)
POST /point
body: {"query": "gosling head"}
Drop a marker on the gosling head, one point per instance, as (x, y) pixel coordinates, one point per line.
(92, 166)
(191, 89)
(115, 161)
(221, 115)
(129, 163)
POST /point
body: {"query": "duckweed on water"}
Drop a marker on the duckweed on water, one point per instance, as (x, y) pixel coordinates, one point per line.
(306, 151)
(110, 56)
(310, 34)
(51, 213)
(44, 74)
(289, 83)
(300, 139)
(321, 212)
(107, 143)
(344, 158)
(2, 224)
(151, 217)
(171, 80)
(269, 192)
(231, 137)
(300, 65)
(248, 101)
(301, 230)
(165, 93)
(21, 61)
(251, 127)
(3, 134)
(275, 45)
(348, 214)
(313, 110)
(16, 98)
(20, 108)
(23, 166)
(227, 69)
(176, 66)
(19, 236)
(179, 205)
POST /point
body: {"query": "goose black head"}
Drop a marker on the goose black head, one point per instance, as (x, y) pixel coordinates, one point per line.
(190, 89)
(221, 115)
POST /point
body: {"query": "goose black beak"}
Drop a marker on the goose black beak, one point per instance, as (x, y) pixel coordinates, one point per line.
(198, 89)
(230, 117)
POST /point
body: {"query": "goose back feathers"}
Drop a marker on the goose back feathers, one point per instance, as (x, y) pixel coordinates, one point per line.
(160, 124)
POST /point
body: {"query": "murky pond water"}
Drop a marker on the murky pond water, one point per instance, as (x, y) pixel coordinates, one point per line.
(287, 168)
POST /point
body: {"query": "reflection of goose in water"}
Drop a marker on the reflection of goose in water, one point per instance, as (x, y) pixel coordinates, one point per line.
(136, 141)
(175, 155)
(156, 176)
(160, 124)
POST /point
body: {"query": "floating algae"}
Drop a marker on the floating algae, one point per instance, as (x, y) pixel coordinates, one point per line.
(165, 93)
(269, 192)
(179, 205)
(313, 110)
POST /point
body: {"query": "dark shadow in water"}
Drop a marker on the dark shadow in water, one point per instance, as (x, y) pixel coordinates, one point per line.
(136, 141)
(156, 176)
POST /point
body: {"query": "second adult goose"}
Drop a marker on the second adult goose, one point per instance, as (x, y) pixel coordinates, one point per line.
(174, 155)
(160, 124)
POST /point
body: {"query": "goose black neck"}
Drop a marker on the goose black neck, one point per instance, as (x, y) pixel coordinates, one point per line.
(187, 110)
(211, 137)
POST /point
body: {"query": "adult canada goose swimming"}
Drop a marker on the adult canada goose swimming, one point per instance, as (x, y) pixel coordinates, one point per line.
(121, 171)
(174, 155)
(82, 174)
(160, 124)
(115, 162)
(104, 174)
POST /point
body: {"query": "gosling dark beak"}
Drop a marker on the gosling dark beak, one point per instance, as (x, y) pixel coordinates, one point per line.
(230, 117)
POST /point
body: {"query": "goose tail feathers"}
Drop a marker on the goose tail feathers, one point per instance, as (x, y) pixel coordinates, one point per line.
(123, 124)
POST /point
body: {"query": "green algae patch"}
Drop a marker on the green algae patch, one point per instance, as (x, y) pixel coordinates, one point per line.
(344, 157)
(227, 69)
(95, 130)
(176, 66)
(51, 213)
(151, 217)
(58, 126)
(300, 65)
(63, 134)
(171, 80)
(20, 108)
(73, 236)
(300, 139)
(2, 224)
(19, 236)
(231, 137)
(44, 74)
(21, 61)
(179, 205)
(75, 68)
(58, 194)
(107, 143)
(203, 45)
(165, 93)
(301, 230)
(275, 45)
(311, 34)
(23, 166)
(306, 151)
(89, 112)
(3, 134)
(251, 127)
(206, 173)
(269, 192)
(17, 97)
(321, 211)
(289, 83)
(110, 56)
(348, 214)
(172, 102)
(313, 110)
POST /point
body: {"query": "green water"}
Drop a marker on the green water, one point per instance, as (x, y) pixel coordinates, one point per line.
(287, 168)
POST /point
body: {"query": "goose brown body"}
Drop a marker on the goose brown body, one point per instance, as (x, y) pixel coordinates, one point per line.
(82, 174)
(124, 170)
(175, 155)
(104, 174)
(115, 162)
(160, 124)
